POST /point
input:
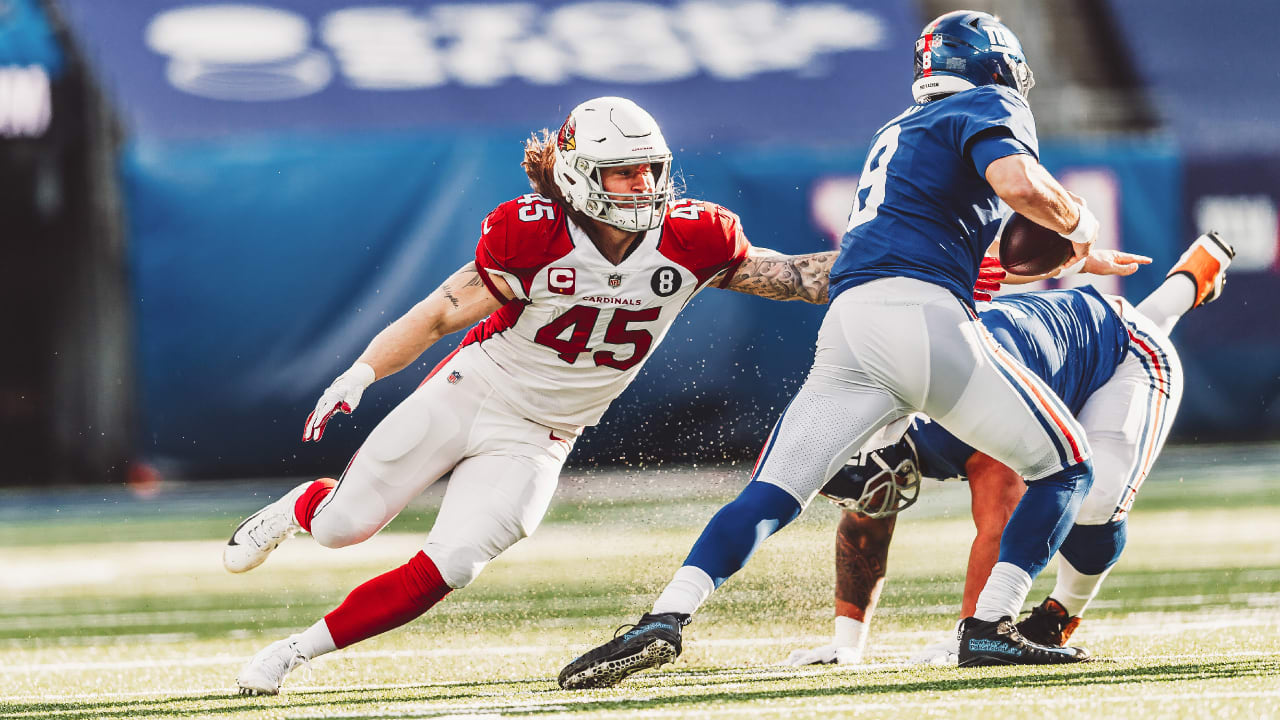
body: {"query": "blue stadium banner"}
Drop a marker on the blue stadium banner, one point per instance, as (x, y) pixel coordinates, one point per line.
(1232, 349)
(710, 71)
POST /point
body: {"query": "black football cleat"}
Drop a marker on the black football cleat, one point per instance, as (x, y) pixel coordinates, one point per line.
(1000, 643)
(1049, 624)
(653, 641)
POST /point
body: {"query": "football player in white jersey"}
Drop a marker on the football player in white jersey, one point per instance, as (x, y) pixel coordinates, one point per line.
(571, 290)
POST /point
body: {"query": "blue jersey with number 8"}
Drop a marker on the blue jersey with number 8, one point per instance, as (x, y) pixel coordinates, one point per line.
(923, 208)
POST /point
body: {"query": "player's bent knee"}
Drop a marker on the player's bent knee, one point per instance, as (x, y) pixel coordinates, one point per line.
(458, 566)
(1096, 509)
(333, 530)
(1091, 549)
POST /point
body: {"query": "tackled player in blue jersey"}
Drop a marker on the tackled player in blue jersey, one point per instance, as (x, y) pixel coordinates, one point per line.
(900, 337)
(1116, 369)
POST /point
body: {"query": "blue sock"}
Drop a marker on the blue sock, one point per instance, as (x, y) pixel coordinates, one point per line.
(739, 527)
(1092, 549)
(1044, 516)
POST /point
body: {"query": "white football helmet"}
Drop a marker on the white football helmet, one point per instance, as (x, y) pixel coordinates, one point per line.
(611, 132)
(879, 483)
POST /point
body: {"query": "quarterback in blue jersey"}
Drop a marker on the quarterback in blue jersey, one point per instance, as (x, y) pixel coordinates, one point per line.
(900, 336)
(1115, 368)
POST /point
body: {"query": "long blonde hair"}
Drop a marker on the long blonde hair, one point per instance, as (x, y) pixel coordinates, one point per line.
(539, 164)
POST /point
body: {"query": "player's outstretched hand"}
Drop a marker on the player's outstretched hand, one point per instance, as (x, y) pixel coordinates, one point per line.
(943, 652)
(826, 655)
(1113, 262)
(343, 395)
(990, 273)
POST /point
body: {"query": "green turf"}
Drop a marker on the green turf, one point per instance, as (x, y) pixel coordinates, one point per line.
(126, 613)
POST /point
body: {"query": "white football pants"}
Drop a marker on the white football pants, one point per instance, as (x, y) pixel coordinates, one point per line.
(1127, 419)
(896, 346)
(504, 471)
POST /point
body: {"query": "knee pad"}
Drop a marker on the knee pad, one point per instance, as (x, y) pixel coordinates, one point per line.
(1092, 549)
(1097, 508)
(458, 566)
(334, 527)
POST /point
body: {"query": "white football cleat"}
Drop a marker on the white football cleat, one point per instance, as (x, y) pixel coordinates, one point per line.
(262, 532)
(265, 672)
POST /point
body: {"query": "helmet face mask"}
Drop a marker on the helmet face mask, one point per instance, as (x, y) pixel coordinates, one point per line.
(877, 484)
(612, 132)
(962, 50)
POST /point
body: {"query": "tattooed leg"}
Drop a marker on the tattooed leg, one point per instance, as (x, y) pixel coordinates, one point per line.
(862, 551)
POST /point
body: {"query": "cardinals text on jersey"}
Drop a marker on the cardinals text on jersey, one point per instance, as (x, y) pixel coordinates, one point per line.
(580, 327)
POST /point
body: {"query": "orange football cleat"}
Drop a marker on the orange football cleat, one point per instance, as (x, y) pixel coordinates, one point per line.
(1049, 624)
(1206, 262)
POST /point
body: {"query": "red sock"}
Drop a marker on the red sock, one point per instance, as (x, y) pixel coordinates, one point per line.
(387, 601)
(305, 509)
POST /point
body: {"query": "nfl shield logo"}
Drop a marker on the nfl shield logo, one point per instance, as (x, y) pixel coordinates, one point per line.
(615, 280)
(454, 377)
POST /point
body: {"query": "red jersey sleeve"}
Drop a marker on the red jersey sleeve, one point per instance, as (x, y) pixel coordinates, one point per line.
(705, 238)
(518, 239)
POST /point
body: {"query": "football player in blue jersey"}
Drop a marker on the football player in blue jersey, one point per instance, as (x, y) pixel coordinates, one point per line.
(1123, 381)
(901, 336)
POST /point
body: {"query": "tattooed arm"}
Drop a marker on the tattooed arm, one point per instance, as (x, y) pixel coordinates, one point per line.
(862, 553)
(784, 277)
(460, 302)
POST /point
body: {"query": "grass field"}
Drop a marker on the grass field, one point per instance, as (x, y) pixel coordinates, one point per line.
(117, 607)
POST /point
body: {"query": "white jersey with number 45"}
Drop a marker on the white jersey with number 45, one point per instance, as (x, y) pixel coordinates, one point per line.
(580, 327)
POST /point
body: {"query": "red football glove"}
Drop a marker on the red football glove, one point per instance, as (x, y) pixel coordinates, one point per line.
(989, 276)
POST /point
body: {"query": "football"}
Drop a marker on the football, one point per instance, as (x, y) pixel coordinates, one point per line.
(1027, 248)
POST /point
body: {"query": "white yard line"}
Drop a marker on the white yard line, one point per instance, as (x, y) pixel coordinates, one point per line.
(143, 618)
(1113, 627)
(1123, 626)
(856, 707)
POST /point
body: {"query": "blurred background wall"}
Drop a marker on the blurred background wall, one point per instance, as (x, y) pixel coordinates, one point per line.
(210, 208)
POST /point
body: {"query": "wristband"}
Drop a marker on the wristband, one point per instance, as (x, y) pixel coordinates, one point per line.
(1073, 268)
(362, 373)
(1086, 230)
(850, 633)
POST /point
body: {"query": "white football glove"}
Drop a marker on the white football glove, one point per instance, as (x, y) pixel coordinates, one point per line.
(826, 655)
(943, 652)
(343, 395)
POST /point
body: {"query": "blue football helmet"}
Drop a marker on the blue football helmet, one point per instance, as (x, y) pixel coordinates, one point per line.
(963, 50)
(879, 483)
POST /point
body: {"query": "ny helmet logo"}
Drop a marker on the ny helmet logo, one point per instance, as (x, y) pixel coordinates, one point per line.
(1000, 38)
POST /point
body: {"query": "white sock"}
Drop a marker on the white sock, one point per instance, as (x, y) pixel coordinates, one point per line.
(1005, 592)
(315, 640)
(850, 633)
(1074, 589)
(1167, 303)
(689, 587)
